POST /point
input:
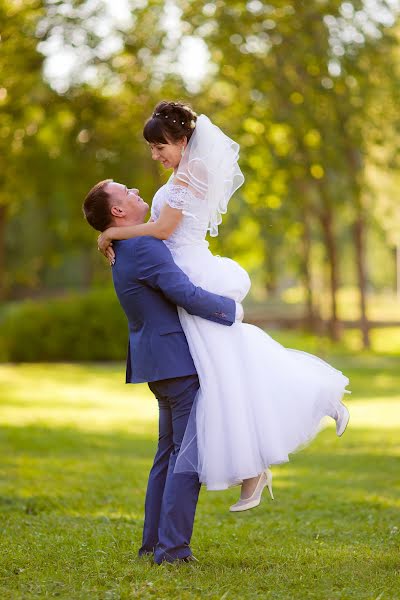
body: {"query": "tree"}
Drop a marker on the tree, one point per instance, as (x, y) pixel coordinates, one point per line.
(23, 94)
(309, 79)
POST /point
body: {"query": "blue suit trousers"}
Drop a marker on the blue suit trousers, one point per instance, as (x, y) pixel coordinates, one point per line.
(171, 498)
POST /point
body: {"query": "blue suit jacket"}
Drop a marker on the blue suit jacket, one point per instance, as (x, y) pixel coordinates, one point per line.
(149, 286)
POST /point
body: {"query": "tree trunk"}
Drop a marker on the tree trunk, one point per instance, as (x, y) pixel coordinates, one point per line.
(355, 162)
(88, 270)
(310, 314)
(330, 244)
(271, 280)
(359, 244)
(3, 217)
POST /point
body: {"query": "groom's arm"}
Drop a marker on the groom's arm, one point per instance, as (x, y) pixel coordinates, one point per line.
(157, 269)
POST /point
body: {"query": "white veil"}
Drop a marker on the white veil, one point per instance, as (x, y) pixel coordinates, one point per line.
(210, 168)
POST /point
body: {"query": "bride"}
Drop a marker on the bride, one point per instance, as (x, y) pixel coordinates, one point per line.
(258, 401)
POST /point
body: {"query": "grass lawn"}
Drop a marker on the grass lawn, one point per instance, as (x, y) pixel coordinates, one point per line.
(76, 445)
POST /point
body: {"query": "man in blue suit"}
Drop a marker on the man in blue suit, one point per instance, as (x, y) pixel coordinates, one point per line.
(150, 286)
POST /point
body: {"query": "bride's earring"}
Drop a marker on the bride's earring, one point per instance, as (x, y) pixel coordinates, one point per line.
(183, 151)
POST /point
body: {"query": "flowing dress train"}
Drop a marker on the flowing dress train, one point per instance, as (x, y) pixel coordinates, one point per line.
(258, 401)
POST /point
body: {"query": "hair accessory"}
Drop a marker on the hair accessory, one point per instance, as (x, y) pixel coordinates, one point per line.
(189, 110)
(174, 121)
(192, 124)
(166, 116)
(182, 122)
(156, 114)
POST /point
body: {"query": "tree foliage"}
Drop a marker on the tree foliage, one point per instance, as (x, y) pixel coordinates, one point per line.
(300, 85)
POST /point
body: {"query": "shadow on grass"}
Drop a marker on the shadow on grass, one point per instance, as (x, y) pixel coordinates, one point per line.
(69, 442)
(71, 508)
(373, 382)
(58, 467)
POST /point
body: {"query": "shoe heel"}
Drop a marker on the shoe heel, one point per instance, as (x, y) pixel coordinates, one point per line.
(268, 474)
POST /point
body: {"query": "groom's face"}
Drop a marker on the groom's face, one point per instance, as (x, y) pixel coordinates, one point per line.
(126, 204)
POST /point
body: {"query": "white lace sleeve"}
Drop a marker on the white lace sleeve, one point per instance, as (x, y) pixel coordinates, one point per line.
(180, 197)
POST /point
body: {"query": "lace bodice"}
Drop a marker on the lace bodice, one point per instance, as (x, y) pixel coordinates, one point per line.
(193, 227)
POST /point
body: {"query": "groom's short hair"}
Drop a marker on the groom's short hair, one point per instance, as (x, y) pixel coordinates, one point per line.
(97, 208)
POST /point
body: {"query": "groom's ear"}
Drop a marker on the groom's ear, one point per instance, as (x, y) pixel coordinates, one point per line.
(117, 211)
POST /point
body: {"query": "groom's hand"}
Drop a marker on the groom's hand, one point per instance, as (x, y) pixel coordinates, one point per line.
(239, 312)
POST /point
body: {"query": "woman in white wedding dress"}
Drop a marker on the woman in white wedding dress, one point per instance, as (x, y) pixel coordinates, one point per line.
(258, 401)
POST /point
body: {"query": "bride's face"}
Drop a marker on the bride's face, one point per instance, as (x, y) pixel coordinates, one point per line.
(169, 155)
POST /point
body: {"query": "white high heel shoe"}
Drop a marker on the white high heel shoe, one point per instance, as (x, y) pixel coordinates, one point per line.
(342, 420)
(255, 499)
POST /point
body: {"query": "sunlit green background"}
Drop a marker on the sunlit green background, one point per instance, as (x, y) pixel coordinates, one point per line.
(310, 90)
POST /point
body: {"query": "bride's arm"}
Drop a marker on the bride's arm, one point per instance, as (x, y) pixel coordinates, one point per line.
(161, 229)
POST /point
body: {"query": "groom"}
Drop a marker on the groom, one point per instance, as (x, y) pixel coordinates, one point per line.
(149, 286)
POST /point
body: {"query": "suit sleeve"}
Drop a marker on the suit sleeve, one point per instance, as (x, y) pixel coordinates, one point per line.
(157, 269)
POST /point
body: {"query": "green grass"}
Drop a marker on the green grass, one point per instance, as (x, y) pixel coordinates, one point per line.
(76, 445)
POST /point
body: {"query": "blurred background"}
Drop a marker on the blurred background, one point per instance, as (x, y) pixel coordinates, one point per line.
(310, 90)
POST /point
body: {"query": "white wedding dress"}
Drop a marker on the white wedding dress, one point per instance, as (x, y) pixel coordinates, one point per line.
(258, 401)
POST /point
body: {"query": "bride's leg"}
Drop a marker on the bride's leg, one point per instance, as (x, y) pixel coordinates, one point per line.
(249, 486)
(252, 489)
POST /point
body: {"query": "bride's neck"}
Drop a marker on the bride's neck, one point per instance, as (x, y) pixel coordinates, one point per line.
(176, 168)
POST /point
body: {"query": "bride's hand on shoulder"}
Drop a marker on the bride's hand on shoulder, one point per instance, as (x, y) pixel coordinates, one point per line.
(104, 245)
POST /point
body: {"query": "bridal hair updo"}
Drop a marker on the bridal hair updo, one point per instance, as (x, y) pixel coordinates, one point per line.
(170, 122)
